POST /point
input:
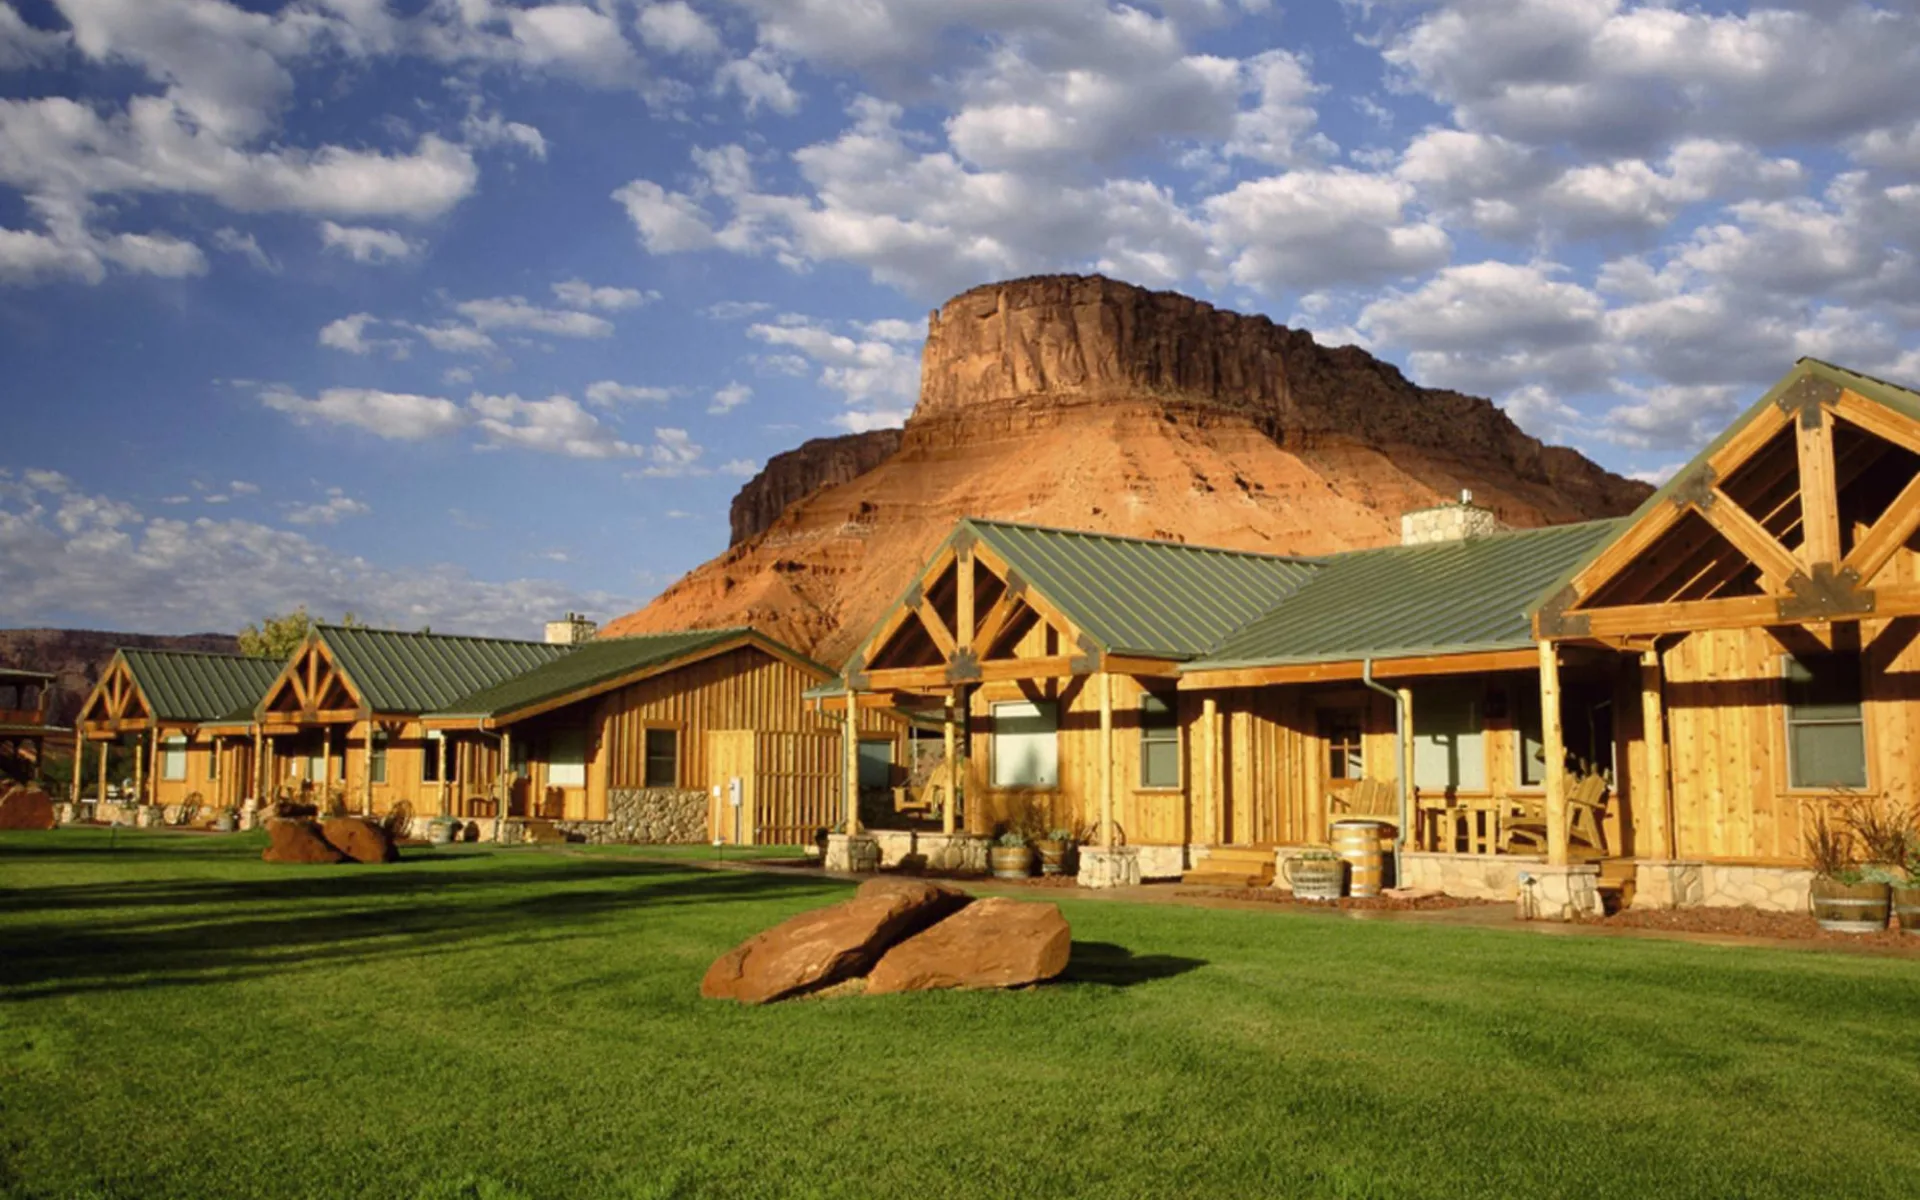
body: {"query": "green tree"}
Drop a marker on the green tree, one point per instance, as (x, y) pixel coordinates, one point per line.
(279, 636)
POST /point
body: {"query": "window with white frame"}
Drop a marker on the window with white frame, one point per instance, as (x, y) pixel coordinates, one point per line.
(663, 758)
(173, 758)
(430, 756)
(1449, 738)
(1826, 725)
(567, 758)
(1026, 745)
(377, 758)
(1159, 743)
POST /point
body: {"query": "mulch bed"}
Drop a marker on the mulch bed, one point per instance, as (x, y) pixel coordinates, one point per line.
(1345, 903)
(1746, 922)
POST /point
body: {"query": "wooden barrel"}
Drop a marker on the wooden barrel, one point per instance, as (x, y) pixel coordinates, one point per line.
(1359, 843)
(1850, 907)
(1906, 909)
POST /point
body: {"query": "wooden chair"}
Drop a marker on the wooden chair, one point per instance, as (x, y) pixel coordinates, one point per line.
(1526, 826)
(553, 806)
(1375, 799)
(930, 796)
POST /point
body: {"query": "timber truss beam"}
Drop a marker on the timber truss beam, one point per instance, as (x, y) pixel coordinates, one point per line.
(312, 690)
(1813, 582)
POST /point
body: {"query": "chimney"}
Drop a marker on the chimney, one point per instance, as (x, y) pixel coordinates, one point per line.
(1448, 522)
(572, 631)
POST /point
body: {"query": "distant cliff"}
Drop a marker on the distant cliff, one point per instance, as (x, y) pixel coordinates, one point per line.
(1083, 402)
(76, 657)
(798, 473)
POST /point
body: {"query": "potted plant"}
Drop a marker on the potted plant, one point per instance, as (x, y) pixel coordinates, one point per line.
(1843, 897)
(1316, 875)
(226, 820)
(440, 830)
(1055, 850)
(1011, 856)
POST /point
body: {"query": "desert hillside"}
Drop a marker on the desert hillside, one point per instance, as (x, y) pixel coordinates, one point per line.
(1089, 403)
(76, 657)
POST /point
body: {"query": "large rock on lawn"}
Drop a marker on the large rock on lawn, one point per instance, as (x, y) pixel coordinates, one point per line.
(359, 839)
(297, 842)
(26, 808)
(820, 948)
(993, 943)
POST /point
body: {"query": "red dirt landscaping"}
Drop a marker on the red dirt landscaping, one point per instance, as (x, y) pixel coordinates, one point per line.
(1747, 922)
(1345, 903)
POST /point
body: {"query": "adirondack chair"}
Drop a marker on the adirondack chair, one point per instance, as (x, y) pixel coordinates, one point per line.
(1526, 828)
(930, 796)
(1376, 799)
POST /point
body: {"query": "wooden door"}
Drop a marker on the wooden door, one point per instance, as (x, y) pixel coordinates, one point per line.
(731, 772)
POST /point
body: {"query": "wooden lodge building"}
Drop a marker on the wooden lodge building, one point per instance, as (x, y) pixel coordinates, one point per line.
(25, 700)
(186, 717)
(1658, 701)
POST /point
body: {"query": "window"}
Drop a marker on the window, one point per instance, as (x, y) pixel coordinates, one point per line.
(1530, 740)
(213, 761)
(1449, 741)
(173, 758)
(567, 758)
(1159, 743)
(377, 758)
(663, 758)
(430, 756)
(876, 765)
(1340, 729)
(1826, 731)
(1026, 746)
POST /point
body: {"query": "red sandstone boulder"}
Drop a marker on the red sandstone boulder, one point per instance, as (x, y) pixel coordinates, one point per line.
(26, 808)
(359, 839)
(995, 943)
(297, 842)
(820, 948)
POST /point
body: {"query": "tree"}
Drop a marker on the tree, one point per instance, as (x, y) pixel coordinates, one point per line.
(279, 636)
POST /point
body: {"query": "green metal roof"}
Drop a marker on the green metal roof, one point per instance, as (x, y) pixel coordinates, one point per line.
(422, 672)
(1136, 596)
(1441, 597)
(1903, 401)
(184, 685)
(586, 667)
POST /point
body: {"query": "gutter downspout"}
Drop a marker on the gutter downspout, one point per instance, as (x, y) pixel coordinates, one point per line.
(1400, 767)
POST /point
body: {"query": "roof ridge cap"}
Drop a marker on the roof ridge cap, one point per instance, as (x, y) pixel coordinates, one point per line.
(1147, 541)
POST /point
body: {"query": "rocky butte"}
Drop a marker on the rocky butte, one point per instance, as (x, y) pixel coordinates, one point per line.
(1083, 402)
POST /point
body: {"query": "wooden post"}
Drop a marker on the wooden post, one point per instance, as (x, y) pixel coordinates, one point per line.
(1555, 745)
(1209, 769)
(506, 780)
(1820, 515)
(261, 779)
(326, 766)
(963, 614)
(79, 765)
(948, 731)
(139, 772)
(1106, 761)
(1660, 831)
(1405, 766)
(853, 761)
(445, 782)
(366, 769)
(102, 797)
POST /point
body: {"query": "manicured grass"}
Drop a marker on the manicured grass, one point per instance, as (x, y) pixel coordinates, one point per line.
(179, 1019)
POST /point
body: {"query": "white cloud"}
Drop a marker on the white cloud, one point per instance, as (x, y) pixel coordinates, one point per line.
(23, 45)
(241, 487)
(578, 293)
(398, 416)
(730, 397)
(608, 394)
(329, 511)
(246, 246)
(449, 337)
(365, 244)
(556, 425)
(578, 39)
(761, 79)
(675, 28)
(736, 310)
(873, 375)
(514, 312)
(1309, 229)
(740, 468)
(70, 249)
(668, 222)
(349, 334)
(674, 453)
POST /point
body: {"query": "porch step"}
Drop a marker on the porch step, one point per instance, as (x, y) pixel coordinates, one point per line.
(1616, 883)
(1233, 867)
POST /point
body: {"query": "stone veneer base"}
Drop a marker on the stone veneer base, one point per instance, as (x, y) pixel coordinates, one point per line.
(1118, 867)
(1549, 893)
(855, 854)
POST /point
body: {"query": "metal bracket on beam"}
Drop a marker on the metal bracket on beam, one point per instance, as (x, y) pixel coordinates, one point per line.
(964, 542)
(1016, 583)
(963, 667)
(914, 596)
(1804, 398)
(1556, 622)
(1695, 490)
(1088, 660)
(1825, 594)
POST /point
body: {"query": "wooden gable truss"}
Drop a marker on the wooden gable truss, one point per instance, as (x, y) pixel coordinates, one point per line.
(311, 690)
(1792, 520)
(116, 705)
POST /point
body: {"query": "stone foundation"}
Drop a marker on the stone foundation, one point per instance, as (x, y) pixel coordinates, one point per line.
(1469, 876)
(1119, 867)
(1770, 889)
(959, 852)
(1661, 884)
(1559, 893)
(1162, 862)
(856, 854)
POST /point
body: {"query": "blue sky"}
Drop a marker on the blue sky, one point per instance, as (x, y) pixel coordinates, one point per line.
(466, 312)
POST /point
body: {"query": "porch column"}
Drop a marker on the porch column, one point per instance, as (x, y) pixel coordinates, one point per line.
(1209, 769)
(1555, 745)
(1106, 761)
(366, 769)
(852, 756)
(506, 783)
(259, 769)
(948, 731)
(445, 781)
(1653, 719)
(139, 773)
(102, 796)
(79, 764)
(326, 766)
(1411, 837)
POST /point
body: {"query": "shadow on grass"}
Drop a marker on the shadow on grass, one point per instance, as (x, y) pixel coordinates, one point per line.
(1108, 965)
(219, 931)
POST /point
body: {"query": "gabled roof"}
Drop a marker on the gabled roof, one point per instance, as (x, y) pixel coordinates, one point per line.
(183, 685)
(598, 663)
(396, 672)
(1136, 596)
(1806, 373)
(1439, 597)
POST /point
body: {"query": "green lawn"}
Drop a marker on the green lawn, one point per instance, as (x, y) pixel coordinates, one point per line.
(179, 1019)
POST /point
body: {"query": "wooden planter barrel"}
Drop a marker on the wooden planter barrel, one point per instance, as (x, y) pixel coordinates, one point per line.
(1906, 909)
(1359, 843)
(1315, 878)
(1850, 907)
(1011, 862)
(1053, 856)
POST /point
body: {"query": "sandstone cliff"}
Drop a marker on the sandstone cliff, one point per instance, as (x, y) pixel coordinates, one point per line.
(1088, 403)
(798, 473)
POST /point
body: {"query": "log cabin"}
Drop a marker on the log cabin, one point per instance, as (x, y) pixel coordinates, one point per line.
(25, 698)
(1650, 706)
(188, 719)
